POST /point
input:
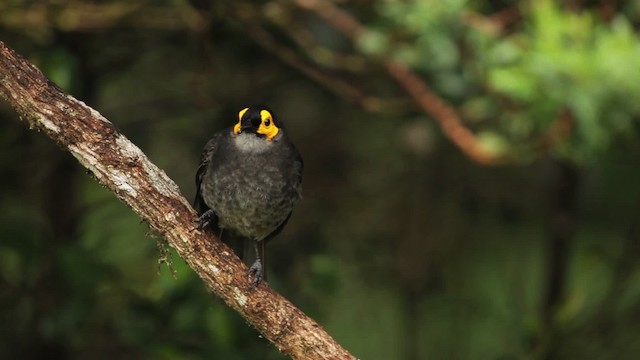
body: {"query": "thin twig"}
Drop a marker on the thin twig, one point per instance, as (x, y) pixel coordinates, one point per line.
(341, 87)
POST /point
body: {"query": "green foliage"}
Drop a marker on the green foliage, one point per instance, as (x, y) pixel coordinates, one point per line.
(571, 59)
(560, 58)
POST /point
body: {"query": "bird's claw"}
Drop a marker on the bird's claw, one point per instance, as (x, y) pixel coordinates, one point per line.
(257, 271)
(204, 219)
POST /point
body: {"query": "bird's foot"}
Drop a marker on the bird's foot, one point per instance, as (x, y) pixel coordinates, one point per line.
(257, 271)
(204, 219)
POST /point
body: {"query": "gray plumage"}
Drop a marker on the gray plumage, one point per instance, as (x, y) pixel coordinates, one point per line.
(249, 182)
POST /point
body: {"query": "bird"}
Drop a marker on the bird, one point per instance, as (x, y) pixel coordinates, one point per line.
(247, 183)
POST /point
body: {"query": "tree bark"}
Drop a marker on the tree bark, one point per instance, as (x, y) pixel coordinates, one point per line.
(124, 169)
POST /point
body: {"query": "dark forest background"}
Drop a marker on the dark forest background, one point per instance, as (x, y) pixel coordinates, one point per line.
(508, 230)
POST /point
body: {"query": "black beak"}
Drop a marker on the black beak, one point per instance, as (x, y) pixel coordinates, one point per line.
(250, 124)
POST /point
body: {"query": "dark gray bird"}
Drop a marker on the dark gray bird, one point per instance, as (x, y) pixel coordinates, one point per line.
(249, 178)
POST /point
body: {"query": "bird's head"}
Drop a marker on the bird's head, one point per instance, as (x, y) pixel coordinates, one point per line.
(257, 120)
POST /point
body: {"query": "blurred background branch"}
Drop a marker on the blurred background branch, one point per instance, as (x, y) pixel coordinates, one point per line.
(88, 17)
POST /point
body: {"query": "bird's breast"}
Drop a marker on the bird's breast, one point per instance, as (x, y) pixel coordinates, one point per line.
(252, 144)
(250, 193)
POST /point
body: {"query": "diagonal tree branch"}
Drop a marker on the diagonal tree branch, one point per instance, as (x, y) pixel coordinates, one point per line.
(445, 115)
(124, 169)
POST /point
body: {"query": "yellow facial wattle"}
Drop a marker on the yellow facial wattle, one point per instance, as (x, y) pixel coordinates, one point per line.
(236, 128)
(267, 127)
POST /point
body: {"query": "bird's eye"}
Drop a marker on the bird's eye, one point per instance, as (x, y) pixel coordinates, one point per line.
(267, 122)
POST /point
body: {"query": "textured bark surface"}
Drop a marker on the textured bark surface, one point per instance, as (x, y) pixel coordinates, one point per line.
(122, 167)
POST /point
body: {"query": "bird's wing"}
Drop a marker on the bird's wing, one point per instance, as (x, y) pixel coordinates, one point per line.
(298, 165)
(296, 171)
(209, 149)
